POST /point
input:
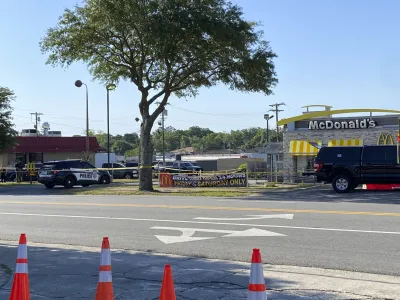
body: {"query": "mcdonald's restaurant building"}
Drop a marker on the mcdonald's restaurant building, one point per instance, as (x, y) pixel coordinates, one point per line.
(302, 133)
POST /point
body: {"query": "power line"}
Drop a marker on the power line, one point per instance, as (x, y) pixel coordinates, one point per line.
(276, 110)
(214, 114)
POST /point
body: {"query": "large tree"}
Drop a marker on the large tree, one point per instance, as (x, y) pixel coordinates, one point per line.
(164, 47)
(7, 133)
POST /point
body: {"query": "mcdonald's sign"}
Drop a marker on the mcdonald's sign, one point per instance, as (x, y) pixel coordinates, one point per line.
(385, 139)
(31, 169)
(166, 180)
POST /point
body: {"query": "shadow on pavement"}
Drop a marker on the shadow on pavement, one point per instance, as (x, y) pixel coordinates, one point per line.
(314, 194)
(40, 190)
(56, 273)
(326, 194)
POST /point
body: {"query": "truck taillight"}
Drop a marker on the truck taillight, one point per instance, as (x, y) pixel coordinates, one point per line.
(317, 167)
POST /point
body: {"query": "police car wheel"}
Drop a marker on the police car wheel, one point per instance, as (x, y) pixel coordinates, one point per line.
(69, 182)
(105, 180)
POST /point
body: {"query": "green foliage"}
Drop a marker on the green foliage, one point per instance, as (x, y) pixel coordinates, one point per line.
(242, 168)
(132, 152)
(7, 133)
(119, 144)
(204, 140)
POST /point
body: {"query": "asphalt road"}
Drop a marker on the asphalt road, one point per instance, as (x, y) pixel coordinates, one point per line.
(313, 228)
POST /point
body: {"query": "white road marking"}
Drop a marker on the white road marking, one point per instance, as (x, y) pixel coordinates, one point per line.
(204, 222)
(253, 201)
(187, 234)
(250, 217)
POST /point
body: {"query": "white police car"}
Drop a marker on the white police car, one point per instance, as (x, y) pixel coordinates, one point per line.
(69, 173)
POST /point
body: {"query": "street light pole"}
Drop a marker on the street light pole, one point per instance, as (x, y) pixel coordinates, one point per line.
(268, 117)
(109, 88)
(108, 128)
(78, 84)
(140, 145)
(163, 137)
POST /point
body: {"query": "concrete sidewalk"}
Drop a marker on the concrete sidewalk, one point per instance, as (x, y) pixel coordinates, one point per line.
(70, 272)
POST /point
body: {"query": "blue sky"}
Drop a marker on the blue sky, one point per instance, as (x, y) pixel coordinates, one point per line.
(336, 52)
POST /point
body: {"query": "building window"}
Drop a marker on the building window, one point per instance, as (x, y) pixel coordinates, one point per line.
(35, 157)
(21, 157)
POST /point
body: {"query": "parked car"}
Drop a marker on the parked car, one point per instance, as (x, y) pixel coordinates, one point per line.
(120, 171)
(70, 173)
(347, 167)
(132, 165)
(182, 167)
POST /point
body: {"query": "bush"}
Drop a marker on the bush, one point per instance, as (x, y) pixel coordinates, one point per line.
(242, 168)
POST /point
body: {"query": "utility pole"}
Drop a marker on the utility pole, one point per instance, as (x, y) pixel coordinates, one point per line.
(37, 120)
(276, 110)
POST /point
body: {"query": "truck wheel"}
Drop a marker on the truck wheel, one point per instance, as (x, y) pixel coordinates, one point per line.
(69, 182)
(128, 176)
(342, 184)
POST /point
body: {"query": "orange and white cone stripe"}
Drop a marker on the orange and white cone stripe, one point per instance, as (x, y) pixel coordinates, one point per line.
(104, 286)
(257, 288)
(20, 287)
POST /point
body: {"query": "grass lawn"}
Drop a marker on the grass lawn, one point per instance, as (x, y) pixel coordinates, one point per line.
(204, 192)
(11, 183)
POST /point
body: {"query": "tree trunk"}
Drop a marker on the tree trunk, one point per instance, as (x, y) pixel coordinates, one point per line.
(146, 160)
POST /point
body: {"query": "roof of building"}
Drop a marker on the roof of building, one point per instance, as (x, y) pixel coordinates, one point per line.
(40, 144)
(184, 150)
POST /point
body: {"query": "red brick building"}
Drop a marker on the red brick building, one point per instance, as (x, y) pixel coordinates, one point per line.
(45, 148)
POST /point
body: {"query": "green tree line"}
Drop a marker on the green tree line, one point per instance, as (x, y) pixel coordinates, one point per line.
(7, 132)
(203, 140)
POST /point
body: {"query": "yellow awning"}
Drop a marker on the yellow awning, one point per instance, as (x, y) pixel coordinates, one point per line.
(342, 143)
(303, 148)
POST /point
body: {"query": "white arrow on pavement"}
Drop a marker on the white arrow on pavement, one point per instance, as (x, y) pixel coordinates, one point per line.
(253, 232)
(188, 232)
(250, 217)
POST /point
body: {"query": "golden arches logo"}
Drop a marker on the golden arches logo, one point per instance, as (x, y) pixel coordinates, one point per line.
(166, 180)
(385, 139)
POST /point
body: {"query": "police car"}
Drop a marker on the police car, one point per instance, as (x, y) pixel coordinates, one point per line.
(70, 173)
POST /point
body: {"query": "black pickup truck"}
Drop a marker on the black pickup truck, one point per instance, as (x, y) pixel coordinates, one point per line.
(182, 167)
(347, 167)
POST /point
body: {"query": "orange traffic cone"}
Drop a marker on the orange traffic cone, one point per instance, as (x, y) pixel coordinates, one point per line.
(257, 282)
(20, 287)
(167, 287)
(105, 286)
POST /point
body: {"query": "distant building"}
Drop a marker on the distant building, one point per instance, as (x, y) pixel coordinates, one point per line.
(45, 148)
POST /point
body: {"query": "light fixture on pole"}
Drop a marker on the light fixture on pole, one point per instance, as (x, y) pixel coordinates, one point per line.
(109, 87)
(78, 84)
(268, 117)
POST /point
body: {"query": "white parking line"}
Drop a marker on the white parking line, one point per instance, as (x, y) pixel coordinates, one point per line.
(203, 222)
